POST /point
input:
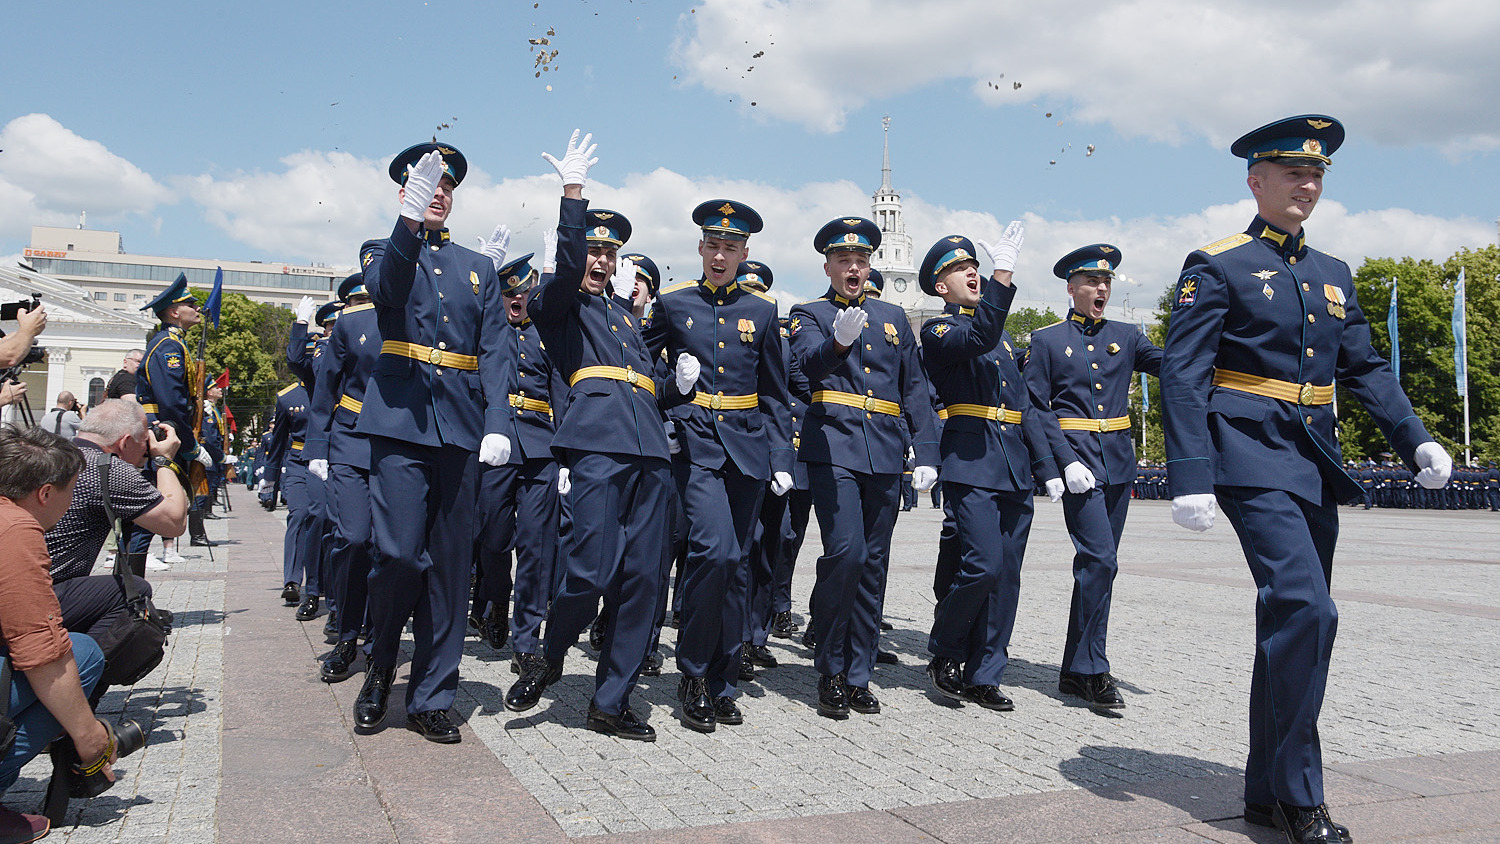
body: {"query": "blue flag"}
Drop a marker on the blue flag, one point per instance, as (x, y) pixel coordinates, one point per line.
(1390, 327)
(215, 299)
(1460, 337)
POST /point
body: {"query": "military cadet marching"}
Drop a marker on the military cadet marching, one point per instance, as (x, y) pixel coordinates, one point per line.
(1262, 326)
(286, 469)
(1079, 372)
(869, 402)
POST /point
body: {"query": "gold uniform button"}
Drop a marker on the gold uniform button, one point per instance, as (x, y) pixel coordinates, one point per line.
(1305, 287)
(433, 248)
(523, 357)
(1091, 347)
(1094, 365)
(440, 295)
(1309, 352)
(720, 301)
(869, 392)
(867, 347)
(721, 320)
(1311, 318)
(721, 369)
(721, 344)
(1292, 260)
(1003, 428)
(1004, 384)
(721, 417)
(1309, 420)
(441, 345)
(614, 328)
(437, 372)
(1101, 407)
(1096, 386)
(867, 369)
(437, 270)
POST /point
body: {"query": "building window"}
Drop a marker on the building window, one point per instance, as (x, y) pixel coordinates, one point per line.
(96, 391)
(100, 296)
(120, 297)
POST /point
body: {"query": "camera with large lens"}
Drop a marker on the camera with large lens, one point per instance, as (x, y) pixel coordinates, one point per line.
(86, 778)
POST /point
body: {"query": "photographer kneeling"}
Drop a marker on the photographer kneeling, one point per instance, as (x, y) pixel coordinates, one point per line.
(53, 670)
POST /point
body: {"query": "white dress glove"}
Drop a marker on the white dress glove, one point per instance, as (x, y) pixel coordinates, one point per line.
(780, 483)
(264, 487)
(549, 250)
(1055, 489)
(421, 186)
(204, 459)
(495, 247)
(687, 373)
(564, 481)
(494, 449)
(1433, 465)
(575, 164)
(623, 282)
(1079, 478)
(923, 477)
(673, 446)
(306, 309)
(1194, 512)
(318, 468)
(848, 324)
(1006, 250)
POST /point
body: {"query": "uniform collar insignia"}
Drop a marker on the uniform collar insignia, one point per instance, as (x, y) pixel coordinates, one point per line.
(1284, 242)
(966, 311)
(839, 300)
(728, 288)
(1089, 326)
(435, 237)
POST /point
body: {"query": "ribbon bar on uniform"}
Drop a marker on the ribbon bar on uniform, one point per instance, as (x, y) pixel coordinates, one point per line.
(615, 373)
(427, 354)
(1303, 394)
(1103, 426)
(869, 404)
(981, 411)
(719, 401)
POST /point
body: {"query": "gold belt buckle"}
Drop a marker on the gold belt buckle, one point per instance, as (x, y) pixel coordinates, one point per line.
(1103, 426)
(435, 356)
(869, 403)
(1305, 395)
(631, 376)
(517, 401)
(716, 402)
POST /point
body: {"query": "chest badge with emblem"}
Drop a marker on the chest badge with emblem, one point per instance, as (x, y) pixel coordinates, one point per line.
(890, 335)
(689, 323)
(361, 339)
(1264, 275)
(474, 280)
(940, 329)
(1068, 350)
(1113, 348)
(747, 330)
(1268, 292)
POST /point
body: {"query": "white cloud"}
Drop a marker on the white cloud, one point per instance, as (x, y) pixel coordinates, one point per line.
(1164, 69)
(48, 175)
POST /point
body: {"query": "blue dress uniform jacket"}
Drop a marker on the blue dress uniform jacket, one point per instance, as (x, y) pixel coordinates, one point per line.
(734, 334)
(214, 432)
(531, 383)
(970, 361)
(162, 386)
(338, 393)
(1080, 369)
(299, 354)
(287, 465)
(1263, 305)
(882, 365)
(288, 430)
(438, 301)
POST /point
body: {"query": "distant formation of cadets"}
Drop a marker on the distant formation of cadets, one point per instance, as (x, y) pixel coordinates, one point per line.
(535, 452)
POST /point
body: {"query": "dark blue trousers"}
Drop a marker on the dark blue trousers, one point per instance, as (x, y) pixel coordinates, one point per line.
(1095, 521)
(1289, 544)
(518, 509)
(349, 506)
(856, 513)
(422, 508)
(788, 544)
(977, 612)
(614, 552)
(674, 550)
(722, 507)
(304, 537)
(317, 496)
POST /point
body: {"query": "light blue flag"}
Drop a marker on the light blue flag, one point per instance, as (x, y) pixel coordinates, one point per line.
(1145, 390)
(1390, 327)
(1460, 337)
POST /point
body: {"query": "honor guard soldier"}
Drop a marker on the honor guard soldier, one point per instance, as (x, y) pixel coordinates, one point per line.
(518, 499)
(1079, 372)
(286, 468)
(993, 445)
(340, 456)
(1262, 327)
(869, 402)
(213, 435)
(431, 403)
(612, 443)
(735, 437)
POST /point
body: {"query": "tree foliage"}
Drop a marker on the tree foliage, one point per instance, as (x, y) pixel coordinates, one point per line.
(1022, 321)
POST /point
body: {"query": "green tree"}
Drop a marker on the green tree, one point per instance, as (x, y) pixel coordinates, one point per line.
(1022, 321)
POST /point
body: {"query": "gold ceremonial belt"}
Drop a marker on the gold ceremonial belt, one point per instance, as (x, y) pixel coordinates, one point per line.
(351, 404)
(150, 408)
(615, 373)
(1304, 394)
(523, 403)
(427, 354)
(296, 446)
(981, 411)
(1114, 423)
(867, 403)
(719, 401)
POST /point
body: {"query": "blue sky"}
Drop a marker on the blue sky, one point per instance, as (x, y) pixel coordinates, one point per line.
(262, 132)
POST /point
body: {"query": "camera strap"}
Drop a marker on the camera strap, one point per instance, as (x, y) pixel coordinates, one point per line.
(122, 565)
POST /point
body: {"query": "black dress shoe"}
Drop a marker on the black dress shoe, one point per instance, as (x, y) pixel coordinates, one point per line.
(747, 668)
(1262, 814)
(862, 701)
(536, 675)
(760, 655)
(291, 594)
(596, 633)
(338, 665)
(1097, 690)
(697, 706)
(809, 641)
(726, 711)
(374, 695)
(518, 661)
(673, 621)
(434, 726)
(495, 629)
(886, 625)
(782, 625)
(833, 697)
(1307, 826)
(886, 658)
(947, 677)
(989, 697)
(202, 541)
(331, 625)
(651, 667)
(476, 621)
(625, 725)
(309, 609)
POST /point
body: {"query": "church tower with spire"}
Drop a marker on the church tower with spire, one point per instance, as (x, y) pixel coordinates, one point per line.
(895, 258)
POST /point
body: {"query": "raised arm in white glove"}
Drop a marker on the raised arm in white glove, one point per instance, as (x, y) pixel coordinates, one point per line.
(318, 468)
(687, 373)
(848, 324)
(564, 480)
(1194, 512)
(1055, 489)
(781, 482)
(495, 247)
(623, 282)
(923, 477)
(1433, 465)
(575, 163)
(306, 309)
(549, 250)
(1079, 478)
(1005, 251)
(494, 449)
(421, 186)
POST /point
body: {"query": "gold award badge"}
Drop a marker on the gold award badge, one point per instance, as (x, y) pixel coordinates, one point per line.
(747, 331)
(890, 335)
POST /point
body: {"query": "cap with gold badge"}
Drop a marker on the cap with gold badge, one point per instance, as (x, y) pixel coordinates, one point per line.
(454, 163)
(1094, 259)
(1307, 139)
